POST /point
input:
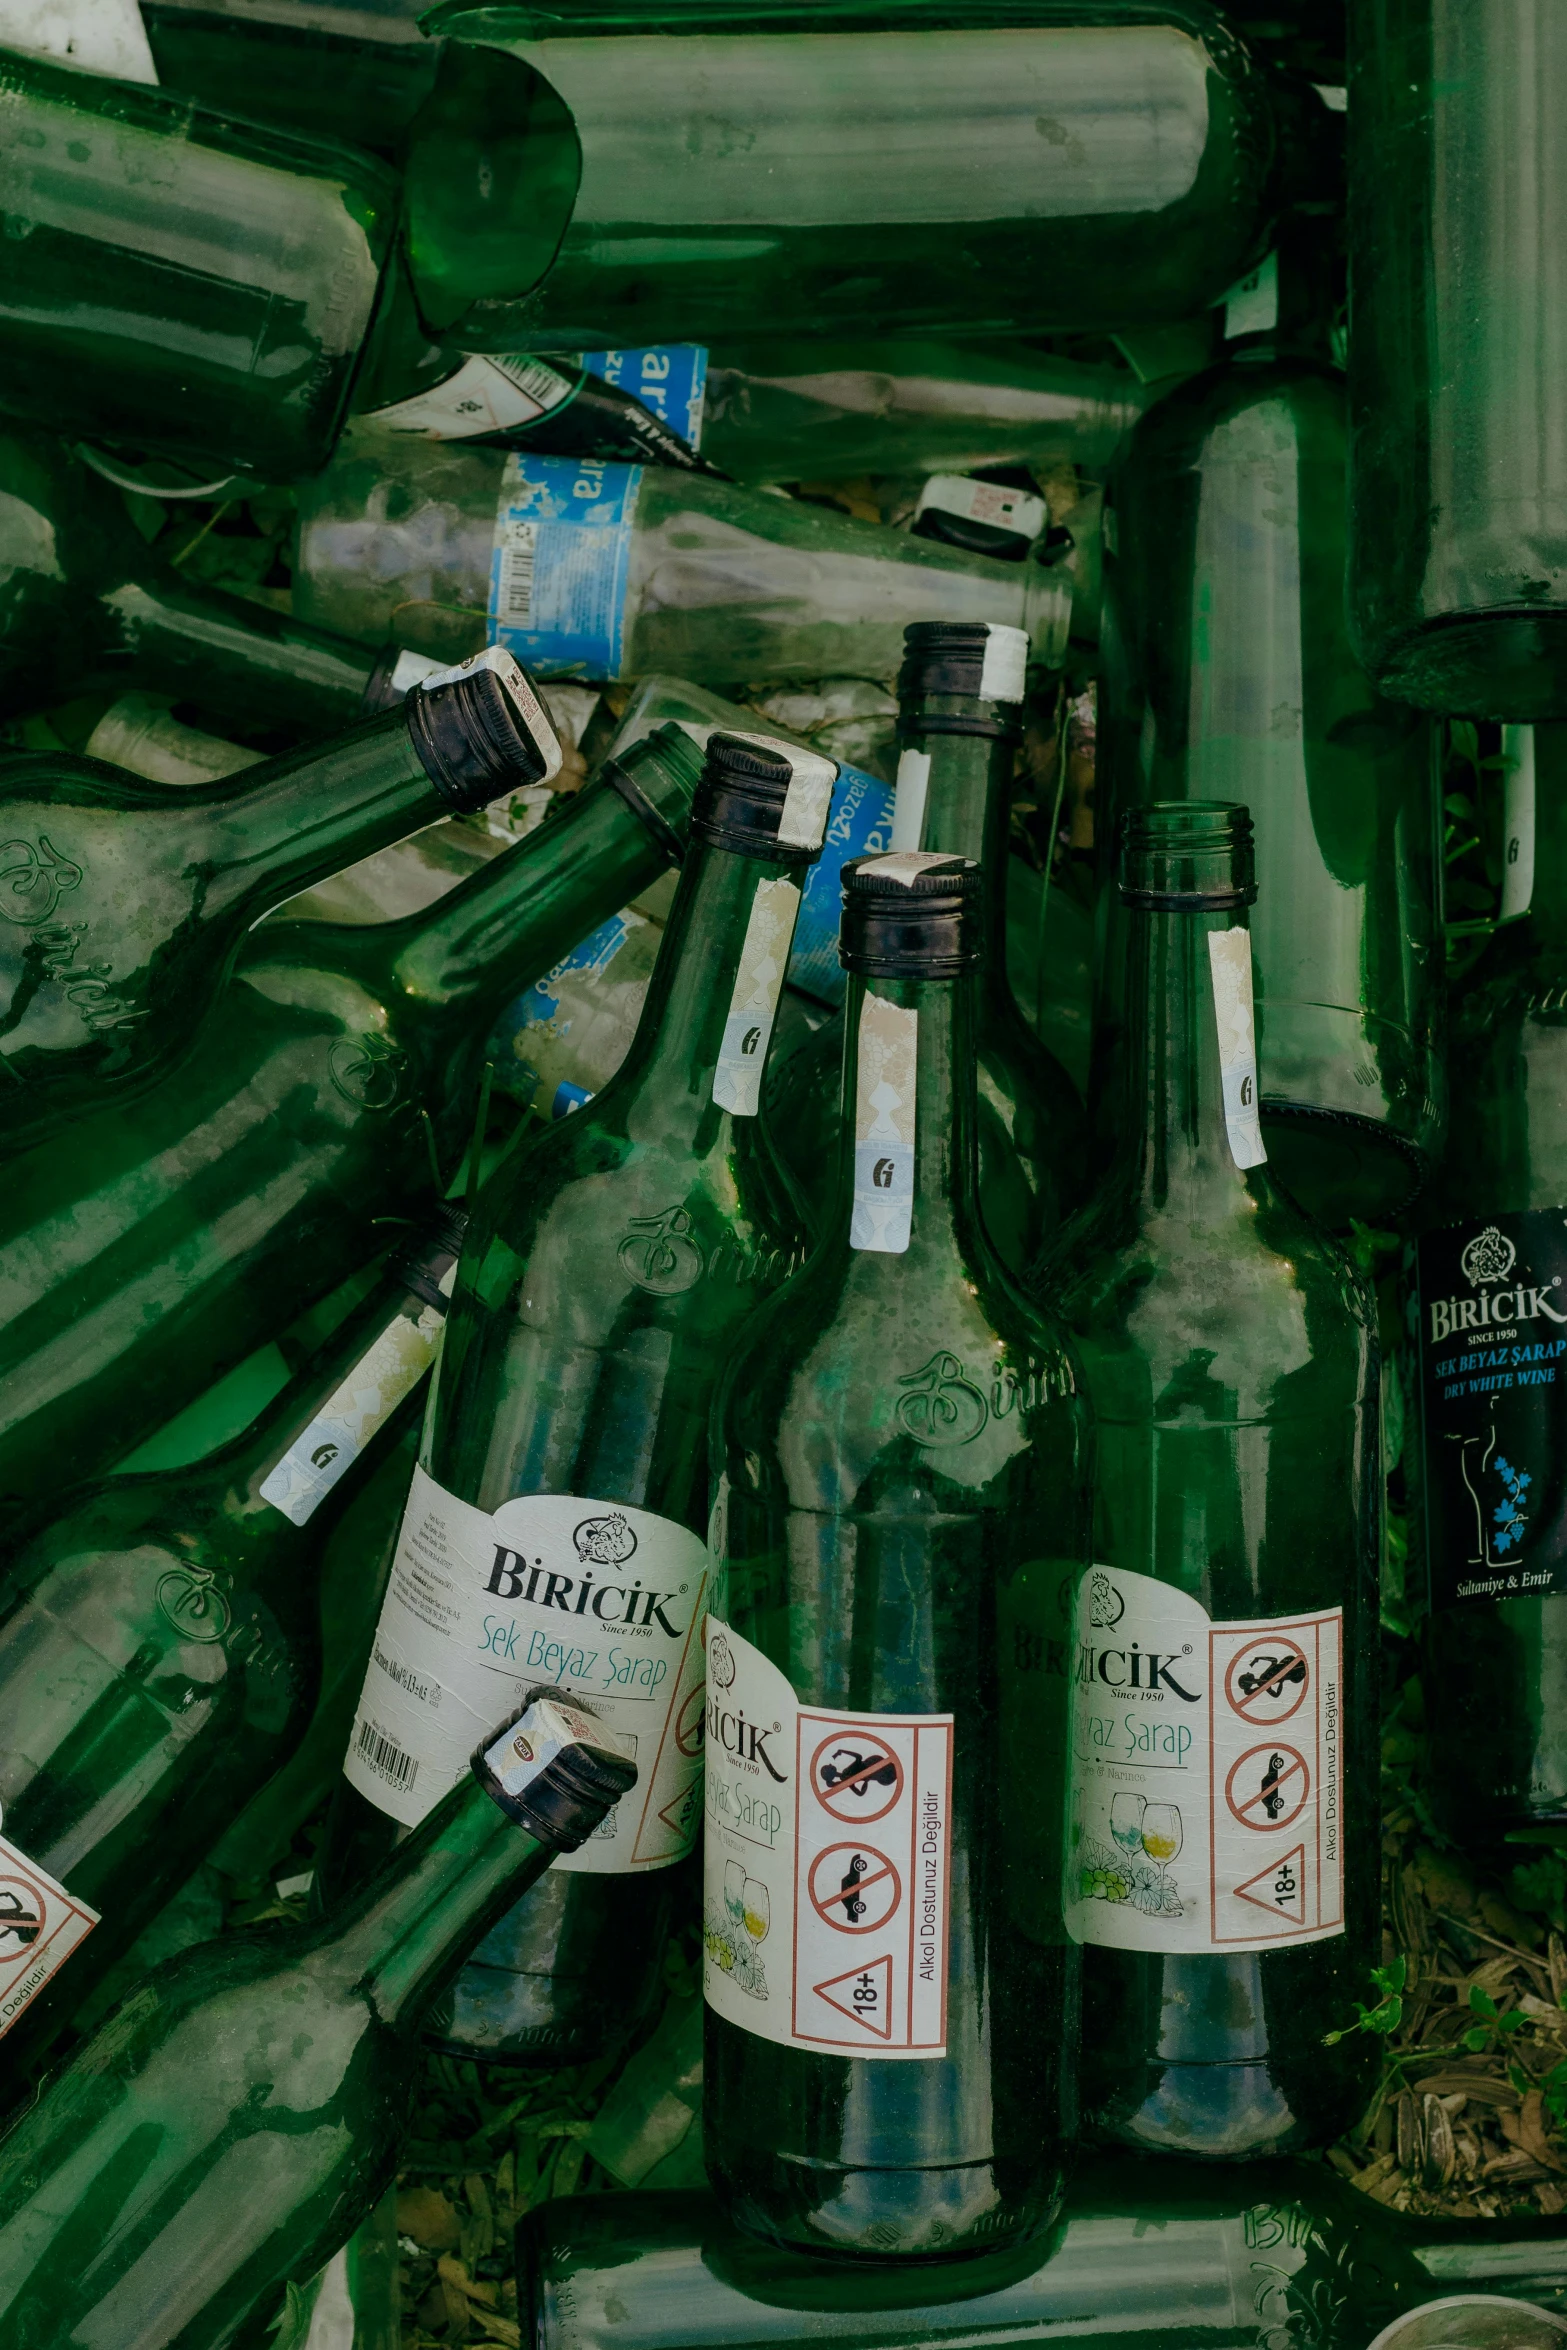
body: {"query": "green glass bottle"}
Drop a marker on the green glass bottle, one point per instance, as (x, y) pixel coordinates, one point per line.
(822, 411)
(241, 2112)
(618, 570)
(585, 178)
(1275, 2256)
(891, 2018)
(1489, 1349)
(1228, 675)
(181, 280)
(328, 71)
(1458, 529)
(85, 604)
(562, 1494)
(123, 903)
(146, 1249)
(960, 718)
(158, 1647)
(1223, 1846)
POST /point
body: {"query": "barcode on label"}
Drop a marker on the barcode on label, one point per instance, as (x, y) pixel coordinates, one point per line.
(534, 380)
(387, 1759)
(516, 599)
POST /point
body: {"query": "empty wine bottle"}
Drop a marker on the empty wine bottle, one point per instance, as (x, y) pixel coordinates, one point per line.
(593, 179)
(562, 1494)
(87, 605)
(1223, 1846)
(242, 2110)
(1458, 544)
(1274, 2256)
(615, 570)
(331, 72)
(1228, 675)
(960, 717)
(147, 1248)
(1490, 1348)
(822, 411)
(181, 280)
(123, 903)
(891, 1998)
(158, 1643)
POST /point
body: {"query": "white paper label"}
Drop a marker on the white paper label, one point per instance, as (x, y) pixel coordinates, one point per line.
(908, 805)
(355, 1411)
(1004, 671)
(764, 958)
(411, 669)
(1251, 307)
(827, 1865)
(599, 1599)
(994, 502)
(519, 692)
(1517, 821)
(1207, 1773)
(96, 36)
(884, 1126)
(485, 395)
(1229, 959)
(40, 1925)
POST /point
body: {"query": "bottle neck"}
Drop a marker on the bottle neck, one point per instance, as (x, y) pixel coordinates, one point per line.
(882, 1047)
(462, 963)
(1535, 825)
(665, 1088)
(1177, 1154)
(961, 799)
(297, 820)
(404, 1936)
(236, 659)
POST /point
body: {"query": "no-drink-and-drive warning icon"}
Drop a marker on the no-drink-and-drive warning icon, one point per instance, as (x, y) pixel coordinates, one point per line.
(872, 1869)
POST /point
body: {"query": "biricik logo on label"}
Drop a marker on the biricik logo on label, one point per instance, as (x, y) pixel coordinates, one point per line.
(599, 1542)
(1488, 1264)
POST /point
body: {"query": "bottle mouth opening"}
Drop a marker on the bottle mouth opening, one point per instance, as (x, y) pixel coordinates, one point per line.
(911, 914)
(1187, 856)
(978, 659)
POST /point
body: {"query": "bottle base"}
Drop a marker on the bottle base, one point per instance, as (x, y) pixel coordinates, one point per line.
(1508, 664)
(1221, 2113)
(861, 2216)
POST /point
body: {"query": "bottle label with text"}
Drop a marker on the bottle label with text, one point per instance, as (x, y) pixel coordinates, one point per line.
(1207, 1773)
(827, 1865)
(559, 563)
(1229, 960)
(884, 1098)
(1493, 1367)
(40, 1925)
(601, 1600)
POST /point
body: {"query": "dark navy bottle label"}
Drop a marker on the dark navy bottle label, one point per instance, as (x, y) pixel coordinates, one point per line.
(1493, 1361)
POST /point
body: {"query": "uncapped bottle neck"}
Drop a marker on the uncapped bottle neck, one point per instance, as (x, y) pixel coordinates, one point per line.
(1187, 857)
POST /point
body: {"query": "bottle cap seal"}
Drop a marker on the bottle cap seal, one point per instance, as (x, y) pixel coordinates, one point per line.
(912, 914)
(1187, 857)
(977, 657)
(481, 731)
(760, 797)
(553, 1769)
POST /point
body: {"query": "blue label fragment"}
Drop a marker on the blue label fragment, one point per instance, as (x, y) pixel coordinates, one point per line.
(671, 379)
(558, 569)
(860, 825)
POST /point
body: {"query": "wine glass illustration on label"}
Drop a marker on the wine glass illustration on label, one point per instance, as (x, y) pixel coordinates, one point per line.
(757, 1909)
(1162, 1843)
(1126, 1821)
